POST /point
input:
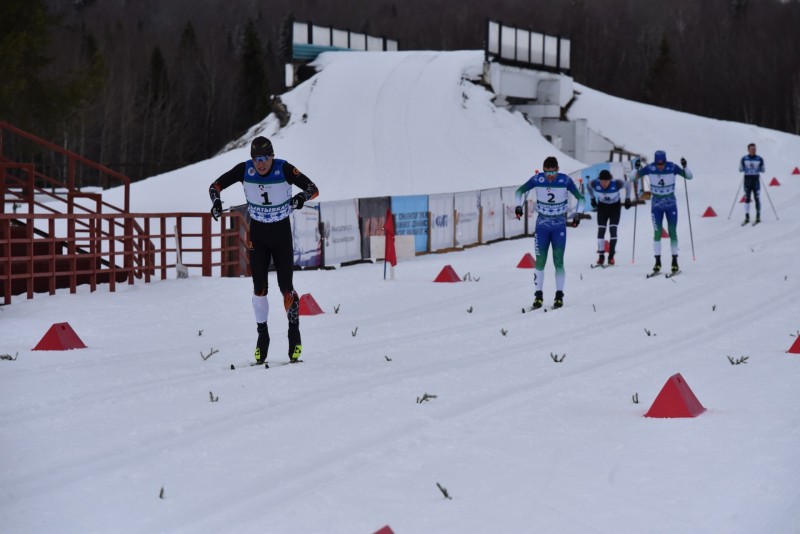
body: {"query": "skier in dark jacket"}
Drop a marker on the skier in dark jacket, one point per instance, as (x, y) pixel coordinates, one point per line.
(268, 189)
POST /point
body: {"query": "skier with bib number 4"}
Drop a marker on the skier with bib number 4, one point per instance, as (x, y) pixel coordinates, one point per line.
(268, 185)
(663, 175)
(551, 189)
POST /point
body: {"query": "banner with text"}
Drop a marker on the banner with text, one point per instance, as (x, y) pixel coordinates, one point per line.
(341, 240)
(411, 218)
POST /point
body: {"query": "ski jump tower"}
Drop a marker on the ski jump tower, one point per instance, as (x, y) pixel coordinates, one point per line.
(530, 73)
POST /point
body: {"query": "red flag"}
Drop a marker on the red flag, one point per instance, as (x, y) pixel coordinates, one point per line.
(388, 229)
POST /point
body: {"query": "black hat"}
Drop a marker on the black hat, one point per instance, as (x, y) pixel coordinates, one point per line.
(261, 146)
(550, 162)
(604, 175)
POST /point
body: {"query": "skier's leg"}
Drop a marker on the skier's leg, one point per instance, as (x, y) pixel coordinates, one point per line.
(284, 268)
(672, 228)
(541, 244)
(259, 265)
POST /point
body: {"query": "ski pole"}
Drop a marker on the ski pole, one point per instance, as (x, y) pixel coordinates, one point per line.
(689, 212)
(633, 251)
(734, 200)
(770, 200)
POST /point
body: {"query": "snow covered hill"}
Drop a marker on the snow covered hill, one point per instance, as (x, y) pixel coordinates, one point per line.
(92, 438)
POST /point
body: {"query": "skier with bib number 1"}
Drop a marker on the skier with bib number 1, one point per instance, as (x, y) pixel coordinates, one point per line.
(268, 185)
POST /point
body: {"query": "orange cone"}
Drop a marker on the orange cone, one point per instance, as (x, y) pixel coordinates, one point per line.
(61, 336)
(527, 262)
(309, 306)
(675, 400)
(447, 275)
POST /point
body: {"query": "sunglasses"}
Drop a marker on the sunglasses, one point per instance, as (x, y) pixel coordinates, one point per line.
(605, 179)
(551, 173)
(261, 159)
(660, 163)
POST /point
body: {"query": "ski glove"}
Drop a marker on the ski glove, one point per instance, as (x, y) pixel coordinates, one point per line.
(576, 220)
(594, 204)
(518, 212)
(297, 201)
(216, 209)
(683, 162)
(627, 203)
(637, 164)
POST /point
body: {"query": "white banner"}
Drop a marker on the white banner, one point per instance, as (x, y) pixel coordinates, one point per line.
(467, 217)
(305, 236)
(441, 229)
(341, 239)
(491, 215)
(512, 226)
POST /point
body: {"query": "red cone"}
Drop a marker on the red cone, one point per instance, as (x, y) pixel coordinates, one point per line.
(607, 246)
(796, 171)
(447, 275)
(744, 199)
(61, 336)
(774, 181)
(527, 262)
(675, 400)
(309, 306)
(385, 530)
(664, 233)
(710, 212)
(795, 348)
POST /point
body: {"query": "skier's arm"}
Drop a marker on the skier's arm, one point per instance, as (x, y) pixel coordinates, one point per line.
(741, 165)
(226, 180)
(572, 188)
(521, 194)
(229, 178)
(762, 167)
(298, 179)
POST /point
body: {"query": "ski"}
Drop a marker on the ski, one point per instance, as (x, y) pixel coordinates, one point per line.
(529, 309)
(653, 274)
(670, 275)
(595, 265)
(755, 223)
(265, 365)
(745, 223)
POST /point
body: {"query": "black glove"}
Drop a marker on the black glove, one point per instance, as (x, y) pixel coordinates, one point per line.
(518, 212)
(637, 164)
(683, 162)
(594, 203)
(576, 220)
(627, 203)
(297, 201)
(216, 209)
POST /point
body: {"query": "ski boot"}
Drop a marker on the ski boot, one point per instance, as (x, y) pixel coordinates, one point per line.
(746, 219)
(657, 266)
(559, 300)
(611, 259)
(295, 345)
(538, 300)
(758, 218)
(600, 259)
(675, 267)
(262, 345)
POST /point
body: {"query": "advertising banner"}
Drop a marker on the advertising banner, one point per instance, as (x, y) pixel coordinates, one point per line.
(306, 237)
(411, 218)
(491, 215)
(442, 224)
(341, 239)
(467, 208)
(373, 214)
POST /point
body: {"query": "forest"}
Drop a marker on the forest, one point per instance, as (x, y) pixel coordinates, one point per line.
(147, 86)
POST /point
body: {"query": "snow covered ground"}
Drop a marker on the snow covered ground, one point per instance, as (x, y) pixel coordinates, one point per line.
(339, 444)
